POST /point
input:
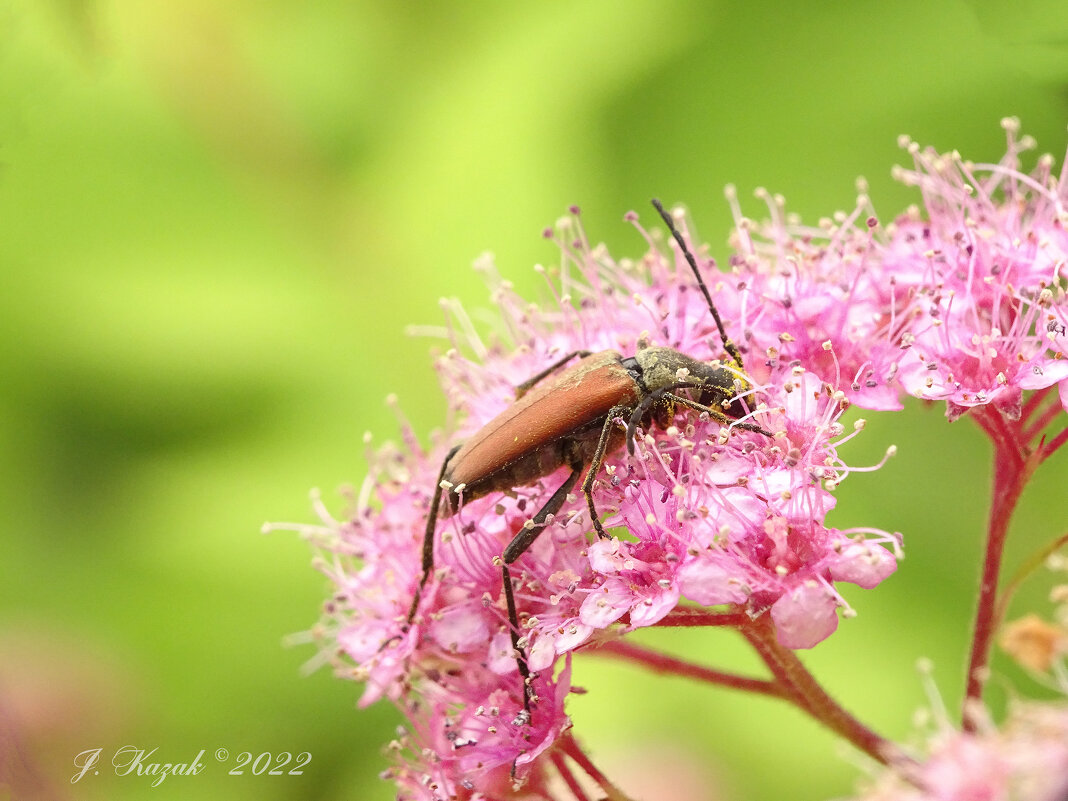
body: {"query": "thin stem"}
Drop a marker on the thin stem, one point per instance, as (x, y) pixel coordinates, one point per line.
(792, 682)
(1025, 570)
(669, 665)
(572, 749)
(807, 693)
(568, 776)
(1048, 416)
(761, 637)
(1049, 448)
(688, 616)
(1010, 477)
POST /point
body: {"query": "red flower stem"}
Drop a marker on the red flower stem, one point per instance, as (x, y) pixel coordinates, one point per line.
(1010, 477)
(792, 683)
(1006, 444)
(1049, 448)
(1048, 416)
(572, 749)
(568, 776)
(687, 616)
(669, 665)
(807, 694)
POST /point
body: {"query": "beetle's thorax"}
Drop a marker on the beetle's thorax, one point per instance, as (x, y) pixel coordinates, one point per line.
(664, 368)
(661, 367)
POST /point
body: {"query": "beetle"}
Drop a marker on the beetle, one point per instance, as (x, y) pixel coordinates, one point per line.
(567, 417)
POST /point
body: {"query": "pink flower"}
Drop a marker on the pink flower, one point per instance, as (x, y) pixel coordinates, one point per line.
(643, 588)
(988, 313)
(805, 615)
(468, 736)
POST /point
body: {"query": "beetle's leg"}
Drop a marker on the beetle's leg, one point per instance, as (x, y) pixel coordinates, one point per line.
(716, 414)
(523, 388)
(428, 538)
(516, 548)
(650, 400)
(597, 462)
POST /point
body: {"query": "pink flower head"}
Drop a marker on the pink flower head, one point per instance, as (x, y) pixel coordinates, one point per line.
(986, 271)
(701, 512)
(820, 297)
(961, 301)
(1026, 757)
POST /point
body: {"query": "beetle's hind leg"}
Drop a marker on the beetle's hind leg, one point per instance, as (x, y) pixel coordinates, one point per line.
(428, 539)
(524, 388)
(516, 548)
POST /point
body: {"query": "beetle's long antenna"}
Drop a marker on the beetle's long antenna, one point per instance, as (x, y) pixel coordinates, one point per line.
(728, 346)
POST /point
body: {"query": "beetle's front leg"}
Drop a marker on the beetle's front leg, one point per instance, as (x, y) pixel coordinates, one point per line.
(597, 462)
(717, 415)
(516, 548)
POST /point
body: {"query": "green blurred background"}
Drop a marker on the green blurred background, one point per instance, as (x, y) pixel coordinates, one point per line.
(217, 218)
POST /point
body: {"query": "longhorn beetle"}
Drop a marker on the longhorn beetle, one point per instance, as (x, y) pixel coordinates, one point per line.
(569, 419)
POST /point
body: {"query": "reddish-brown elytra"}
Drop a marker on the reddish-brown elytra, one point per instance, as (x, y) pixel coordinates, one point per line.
(570, 418)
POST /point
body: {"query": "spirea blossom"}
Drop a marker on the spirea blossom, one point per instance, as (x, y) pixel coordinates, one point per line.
(722, 520)
(1025, 757)
(960, 300)
(986, 266)
(702, 514)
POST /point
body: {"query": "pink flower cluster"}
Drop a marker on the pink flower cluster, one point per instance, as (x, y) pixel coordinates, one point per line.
(963, 303)
(1026, 757)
